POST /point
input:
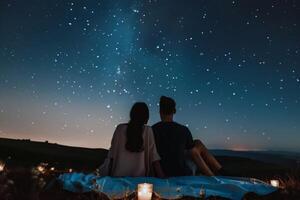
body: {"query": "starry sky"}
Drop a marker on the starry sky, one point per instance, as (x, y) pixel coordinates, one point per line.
(71, 70)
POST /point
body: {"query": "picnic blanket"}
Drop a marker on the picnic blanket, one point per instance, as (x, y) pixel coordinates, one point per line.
(227, 187)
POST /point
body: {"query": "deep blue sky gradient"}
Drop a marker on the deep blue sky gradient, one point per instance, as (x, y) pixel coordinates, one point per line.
(71, 70)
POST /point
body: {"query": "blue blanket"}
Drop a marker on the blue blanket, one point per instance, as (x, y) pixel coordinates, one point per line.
(172, 188)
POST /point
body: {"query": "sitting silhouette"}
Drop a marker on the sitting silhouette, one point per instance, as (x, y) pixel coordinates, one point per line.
(133, 150)
(175, 145)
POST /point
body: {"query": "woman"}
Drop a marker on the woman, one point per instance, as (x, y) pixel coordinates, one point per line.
(133, 151)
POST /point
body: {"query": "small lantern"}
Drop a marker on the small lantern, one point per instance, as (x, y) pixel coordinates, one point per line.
(274, 183)
(145, 191)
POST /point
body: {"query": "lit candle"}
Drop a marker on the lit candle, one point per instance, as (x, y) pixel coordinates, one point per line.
(145, 191)
(274, 183)
(2, 166)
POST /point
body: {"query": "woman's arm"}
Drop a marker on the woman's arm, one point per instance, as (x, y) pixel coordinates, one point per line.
(113, 150)
(158, 170)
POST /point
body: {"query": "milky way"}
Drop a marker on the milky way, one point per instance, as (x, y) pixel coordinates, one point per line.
(71, 70)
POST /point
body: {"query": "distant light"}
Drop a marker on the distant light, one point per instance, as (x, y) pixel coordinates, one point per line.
(41, 169)
(2, 166)
(52, 168)
(274, 183)
(70, 170)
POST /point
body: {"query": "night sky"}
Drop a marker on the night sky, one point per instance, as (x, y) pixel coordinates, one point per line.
(71, 70)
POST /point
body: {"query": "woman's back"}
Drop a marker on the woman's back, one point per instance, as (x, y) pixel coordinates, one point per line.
(127, 163)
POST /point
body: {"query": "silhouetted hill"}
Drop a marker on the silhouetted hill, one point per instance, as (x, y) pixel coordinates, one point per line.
(286, 159)
(26, 152)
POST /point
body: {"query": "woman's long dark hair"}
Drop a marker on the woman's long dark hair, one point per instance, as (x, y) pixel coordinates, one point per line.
(139, 116)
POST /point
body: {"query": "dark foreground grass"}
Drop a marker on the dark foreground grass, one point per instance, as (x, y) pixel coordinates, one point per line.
(28, 184)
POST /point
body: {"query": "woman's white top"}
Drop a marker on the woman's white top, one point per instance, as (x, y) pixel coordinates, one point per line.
(126, 163)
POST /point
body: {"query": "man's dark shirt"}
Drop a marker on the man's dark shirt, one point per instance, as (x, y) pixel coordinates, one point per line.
(172, 140)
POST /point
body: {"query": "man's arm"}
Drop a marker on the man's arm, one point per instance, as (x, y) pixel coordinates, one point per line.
(189, 145)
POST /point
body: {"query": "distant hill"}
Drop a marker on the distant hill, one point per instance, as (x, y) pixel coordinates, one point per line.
(286, 159)
(237, 163)
(28, 153)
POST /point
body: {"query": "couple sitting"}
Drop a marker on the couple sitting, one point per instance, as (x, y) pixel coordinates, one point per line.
(164, 150)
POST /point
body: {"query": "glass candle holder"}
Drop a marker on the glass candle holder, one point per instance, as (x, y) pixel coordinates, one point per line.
(144, 191)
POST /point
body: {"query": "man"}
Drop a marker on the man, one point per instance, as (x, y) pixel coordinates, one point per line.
(175, 143)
